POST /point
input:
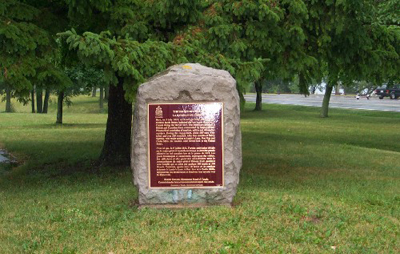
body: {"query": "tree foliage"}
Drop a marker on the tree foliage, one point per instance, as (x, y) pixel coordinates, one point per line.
(28, 50)
(255, 40)
(268, 31)
(130, 41)
(120, 57)
(352, 42)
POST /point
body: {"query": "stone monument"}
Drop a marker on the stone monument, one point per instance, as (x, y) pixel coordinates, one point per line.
(186, 144)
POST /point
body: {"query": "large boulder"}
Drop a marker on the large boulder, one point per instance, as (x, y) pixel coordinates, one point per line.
(188, 83)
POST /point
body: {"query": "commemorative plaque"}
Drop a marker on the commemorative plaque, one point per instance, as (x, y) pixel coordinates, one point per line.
(185, 145)
(186, 140)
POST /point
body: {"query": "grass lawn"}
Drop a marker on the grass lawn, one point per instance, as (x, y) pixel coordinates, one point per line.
(308, 185)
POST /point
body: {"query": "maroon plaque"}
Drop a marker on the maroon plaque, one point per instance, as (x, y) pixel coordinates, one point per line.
(186, 145)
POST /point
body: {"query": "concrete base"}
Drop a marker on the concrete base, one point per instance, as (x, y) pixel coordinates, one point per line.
(182, 206)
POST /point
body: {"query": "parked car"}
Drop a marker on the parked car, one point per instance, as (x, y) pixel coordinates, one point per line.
(393, 92)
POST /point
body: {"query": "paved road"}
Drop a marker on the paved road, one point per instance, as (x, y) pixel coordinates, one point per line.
(336, 101)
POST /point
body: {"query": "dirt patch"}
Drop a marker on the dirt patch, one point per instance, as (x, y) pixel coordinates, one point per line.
(63, 168)
(312, 219)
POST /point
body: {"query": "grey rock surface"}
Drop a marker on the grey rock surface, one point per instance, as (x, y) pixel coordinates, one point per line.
(3, 159)
(6, 157)
(179, 84)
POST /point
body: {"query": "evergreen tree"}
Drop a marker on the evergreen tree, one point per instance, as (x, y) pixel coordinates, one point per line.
(342, 41)
(27, 48)
(135, 44)
(140, 40)
(266, 32)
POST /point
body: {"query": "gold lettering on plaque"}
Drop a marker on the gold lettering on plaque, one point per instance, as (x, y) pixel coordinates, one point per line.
(185, 159)
(186, 145)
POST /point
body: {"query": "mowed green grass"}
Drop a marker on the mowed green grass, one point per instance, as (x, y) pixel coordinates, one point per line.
(308, 185)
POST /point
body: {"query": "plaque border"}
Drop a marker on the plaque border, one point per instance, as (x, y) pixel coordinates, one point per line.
(222, 146)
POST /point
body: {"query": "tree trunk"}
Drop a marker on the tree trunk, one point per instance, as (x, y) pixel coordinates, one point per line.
(8, 100)
(258, 87)
(337, 89)
(46, 101)
(33, 100)
(60, 102)
(101, 99)
(94, 90)
(39, 100)
(106, 89)
(325, 102)
(117, 143)
(313, 88)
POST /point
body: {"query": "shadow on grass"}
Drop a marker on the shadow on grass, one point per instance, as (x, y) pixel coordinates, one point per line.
(5, 168)
(66, 126)
(277, 112)
(357, 140)
(48, 151)
(58, 173)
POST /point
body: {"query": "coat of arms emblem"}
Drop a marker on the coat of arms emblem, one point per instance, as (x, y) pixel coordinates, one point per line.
(159, 112)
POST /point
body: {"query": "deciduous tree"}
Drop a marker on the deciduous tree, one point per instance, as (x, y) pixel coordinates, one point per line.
(352, 42)
(268, 30)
